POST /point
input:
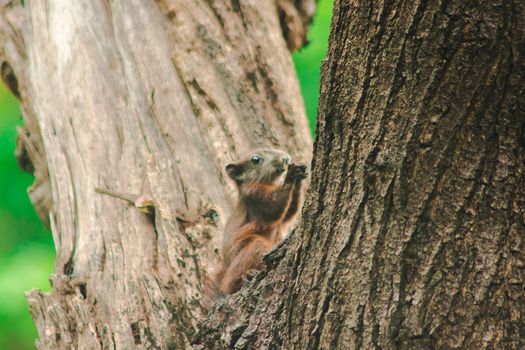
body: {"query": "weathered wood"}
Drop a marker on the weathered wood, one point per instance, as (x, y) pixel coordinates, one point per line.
(413, 232)
(150, 98)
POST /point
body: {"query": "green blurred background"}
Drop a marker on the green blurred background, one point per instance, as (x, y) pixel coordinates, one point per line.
(26, 247)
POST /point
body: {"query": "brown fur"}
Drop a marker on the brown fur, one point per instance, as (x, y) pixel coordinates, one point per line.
(270, 198)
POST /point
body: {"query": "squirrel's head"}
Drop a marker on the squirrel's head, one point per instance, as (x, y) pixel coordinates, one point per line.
(263, 165)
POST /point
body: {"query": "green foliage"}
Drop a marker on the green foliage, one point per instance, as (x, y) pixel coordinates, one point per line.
(26, 247)
(308, 60)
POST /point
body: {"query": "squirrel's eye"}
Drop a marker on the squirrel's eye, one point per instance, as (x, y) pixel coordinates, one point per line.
(256, 159)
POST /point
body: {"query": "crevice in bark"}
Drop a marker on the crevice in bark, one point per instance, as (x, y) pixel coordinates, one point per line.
(9, 78)
(21, 152)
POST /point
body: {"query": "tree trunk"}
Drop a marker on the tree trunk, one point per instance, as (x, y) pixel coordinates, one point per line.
(150, 98)
(413, 232)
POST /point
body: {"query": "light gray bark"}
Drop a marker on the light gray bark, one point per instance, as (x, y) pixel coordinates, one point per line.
(151, 98)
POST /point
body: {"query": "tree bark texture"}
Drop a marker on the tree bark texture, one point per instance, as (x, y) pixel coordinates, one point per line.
(149, 98)
(413, 232)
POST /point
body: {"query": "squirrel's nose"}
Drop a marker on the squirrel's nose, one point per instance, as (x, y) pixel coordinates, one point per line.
(286, 159)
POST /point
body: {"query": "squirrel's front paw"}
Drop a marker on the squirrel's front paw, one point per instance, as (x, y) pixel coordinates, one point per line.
(297, 172)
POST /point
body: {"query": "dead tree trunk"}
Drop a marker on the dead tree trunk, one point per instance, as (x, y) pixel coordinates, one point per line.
(150, 98)
(413, 233)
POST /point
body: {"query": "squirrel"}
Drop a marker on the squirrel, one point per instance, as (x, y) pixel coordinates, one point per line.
(270, 197)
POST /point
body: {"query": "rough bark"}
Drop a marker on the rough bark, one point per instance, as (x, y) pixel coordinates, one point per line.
(150, 98)
(413, 233)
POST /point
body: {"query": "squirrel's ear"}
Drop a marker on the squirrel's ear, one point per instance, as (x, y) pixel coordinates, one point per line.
(234, 171)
